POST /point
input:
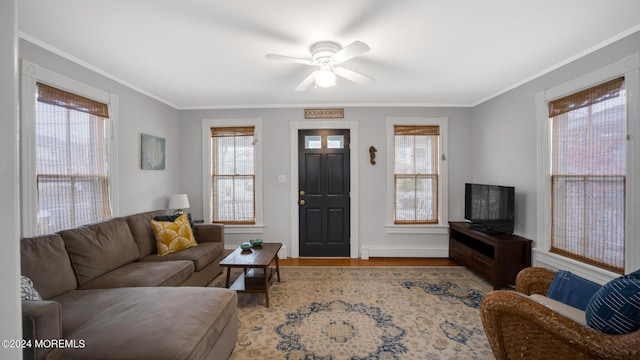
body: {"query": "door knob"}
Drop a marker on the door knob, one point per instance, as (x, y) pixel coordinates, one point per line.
(301, 202)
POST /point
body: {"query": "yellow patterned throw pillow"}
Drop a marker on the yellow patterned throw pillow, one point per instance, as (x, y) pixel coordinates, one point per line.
(173, 236)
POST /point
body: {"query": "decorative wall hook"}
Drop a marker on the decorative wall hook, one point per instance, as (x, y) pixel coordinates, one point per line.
(372, 155)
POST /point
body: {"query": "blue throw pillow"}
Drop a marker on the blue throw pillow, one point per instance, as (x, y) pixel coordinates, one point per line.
(615, 309)
(572, 289)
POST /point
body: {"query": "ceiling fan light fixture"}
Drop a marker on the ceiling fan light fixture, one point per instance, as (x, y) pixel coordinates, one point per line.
(327, 55)
(325, 77)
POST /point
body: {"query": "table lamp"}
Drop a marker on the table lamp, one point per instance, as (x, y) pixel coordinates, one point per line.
(179, 202)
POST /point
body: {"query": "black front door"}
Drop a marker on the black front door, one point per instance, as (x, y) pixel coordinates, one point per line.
(323, 194)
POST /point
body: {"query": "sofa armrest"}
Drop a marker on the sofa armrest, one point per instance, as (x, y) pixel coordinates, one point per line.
(520, 327)
(534, 280)
(210, 233)
(40, 320)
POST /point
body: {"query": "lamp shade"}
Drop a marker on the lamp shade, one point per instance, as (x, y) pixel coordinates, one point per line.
(178, 201)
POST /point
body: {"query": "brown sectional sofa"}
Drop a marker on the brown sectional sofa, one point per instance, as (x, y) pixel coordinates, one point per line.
(108, 295)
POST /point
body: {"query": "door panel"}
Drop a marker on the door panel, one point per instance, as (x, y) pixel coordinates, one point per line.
(335, 181)
(313, 230)
(335, 222)
(324, 202)
(311, 184)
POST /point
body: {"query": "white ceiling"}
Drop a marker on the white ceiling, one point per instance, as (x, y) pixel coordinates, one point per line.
(211, 53)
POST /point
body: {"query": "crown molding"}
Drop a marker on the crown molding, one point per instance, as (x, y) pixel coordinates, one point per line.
(78, 61)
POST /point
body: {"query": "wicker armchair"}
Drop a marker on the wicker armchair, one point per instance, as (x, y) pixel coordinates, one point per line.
(520, 328)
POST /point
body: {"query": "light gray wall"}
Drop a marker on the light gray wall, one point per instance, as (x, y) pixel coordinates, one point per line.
(503, 131)
(372, 179)
(494, 142)
(139, 190)
(10, 325)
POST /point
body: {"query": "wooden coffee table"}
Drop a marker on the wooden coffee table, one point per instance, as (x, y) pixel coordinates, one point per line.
(258, 257)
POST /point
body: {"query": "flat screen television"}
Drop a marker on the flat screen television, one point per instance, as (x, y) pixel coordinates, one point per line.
(490, 208)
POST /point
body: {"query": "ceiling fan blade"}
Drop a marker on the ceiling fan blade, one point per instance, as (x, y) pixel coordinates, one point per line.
(350, 51)
(356, 77)
(290, 59)
(306, 82)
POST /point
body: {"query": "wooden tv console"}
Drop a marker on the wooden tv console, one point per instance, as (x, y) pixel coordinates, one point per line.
(496, 257)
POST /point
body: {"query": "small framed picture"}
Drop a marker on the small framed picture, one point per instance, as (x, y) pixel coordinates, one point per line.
(152, 151)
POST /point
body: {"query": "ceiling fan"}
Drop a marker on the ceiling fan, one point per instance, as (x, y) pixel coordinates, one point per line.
(327, 55)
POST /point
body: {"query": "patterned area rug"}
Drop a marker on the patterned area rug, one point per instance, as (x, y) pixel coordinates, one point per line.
(364, 313)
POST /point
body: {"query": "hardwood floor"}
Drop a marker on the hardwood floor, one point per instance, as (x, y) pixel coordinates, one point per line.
(369, 262)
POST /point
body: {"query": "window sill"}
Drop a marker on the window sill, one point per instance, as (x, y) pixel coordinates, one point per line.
(417, 229)
(548, 259)
(244, 229)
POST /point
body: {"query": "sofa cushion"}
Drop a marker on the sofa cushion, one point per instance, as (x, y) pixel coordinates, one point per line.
(615, 308)
(173, 236)
(145, 323)
(572, 289)
(201, 255)
(99, 248)
(167, 273)
(564, 309)
(209, 232)
(140, 226)
(27, 291)
(44, 259)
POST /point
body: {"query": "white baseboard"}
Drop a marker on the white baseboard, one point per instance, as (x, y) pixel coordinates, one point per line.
(282, 254)
(404, 251)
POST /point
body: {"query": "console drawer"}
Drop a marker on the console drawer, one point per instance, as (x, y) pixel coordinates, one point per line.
(471, 258)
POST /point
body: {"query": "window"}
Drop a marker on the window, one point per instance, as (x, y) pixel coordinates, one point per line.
(588, 175)
(313, 142)
(68, 155)
(417, 172)
(233, 175)
(71, 160)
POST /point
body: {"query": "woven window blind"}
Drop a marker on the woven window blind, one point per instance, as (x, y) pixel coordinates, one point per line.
(71, 160)
(233, 175)
(64, 99)
(416, 174)
(588, 175)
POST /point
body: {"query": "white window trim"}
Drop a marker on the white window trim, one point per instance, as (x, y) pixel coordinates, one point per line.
(442, 227)
(629, 68)
(32, 74)
(207, 210)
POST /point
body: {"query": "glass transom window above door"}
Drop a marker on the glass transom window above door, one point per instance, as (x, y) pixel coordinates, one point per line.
(320, 141)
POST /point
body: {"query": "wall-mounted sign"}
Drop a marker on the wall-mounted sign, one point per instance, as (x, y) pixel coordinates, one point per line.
(323, 113)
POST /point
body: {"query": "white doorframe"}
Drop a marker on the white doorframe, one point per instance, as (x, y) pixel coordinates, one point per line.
(352, 126)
